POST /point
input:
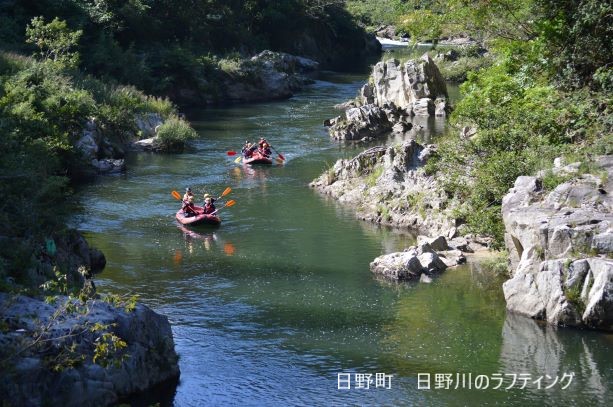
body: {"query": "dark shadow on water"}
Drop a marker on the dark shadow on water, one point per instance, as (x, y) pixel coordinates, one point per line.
(161, 395)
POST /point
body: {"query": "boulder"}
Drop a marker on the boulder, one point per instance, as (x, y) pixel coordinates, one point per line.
(150, 348)
(268, 76)
(109, 166)
(408, 265)
(87, 145)
(452, 258)
(559, 243)
(147, 144)
(405, 84)
(438, 243)
(147, 124)
(360, 122)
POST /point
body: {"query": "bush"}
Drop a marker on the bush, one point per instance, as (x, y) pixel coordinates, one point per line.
(174, 133)
(457, 71)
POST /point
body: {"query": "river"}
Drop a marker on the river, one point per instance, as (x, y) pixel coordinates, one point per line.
(272, 306)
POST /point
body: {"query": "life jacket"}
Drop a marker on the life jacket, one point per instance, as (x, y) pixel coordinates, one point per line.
(208, 209)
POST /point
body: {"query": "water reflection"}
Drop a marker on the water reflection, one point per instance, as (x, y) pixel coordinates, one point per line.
(208, 241)
(540, 349)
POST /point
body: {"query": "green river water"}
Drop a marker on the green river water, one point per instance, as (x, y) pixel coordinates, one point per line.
(270, 307)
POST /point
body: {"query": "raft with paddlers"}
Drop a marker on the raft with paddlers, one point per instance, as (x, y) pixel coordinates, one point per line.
(190, 214)
(259, 153)
(198, 219)
(257, 158)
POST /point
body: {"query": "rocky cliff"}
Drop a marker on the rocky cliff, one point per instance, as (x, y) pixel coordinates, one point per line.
(394, 94)
(561, 246)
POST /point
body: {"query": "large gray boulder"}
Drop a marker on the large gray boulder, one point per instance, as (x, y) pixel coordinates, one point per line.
(32, 381)
(408, 265)
(559, 244)
(361, 122)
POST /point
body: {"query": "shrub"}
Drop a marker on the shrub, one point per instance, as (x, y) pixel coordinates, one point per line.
(174, 133)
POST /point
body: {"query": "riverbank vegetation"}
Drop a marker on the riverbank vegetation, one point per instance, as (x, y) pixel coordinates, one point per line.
(547, 94)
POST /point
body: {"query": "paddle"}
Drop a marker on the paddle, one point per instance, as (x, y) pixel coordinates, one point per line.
(225, 192)
(231, 153)
(176, 195)
(231, 202)
(278, 153)
(238, 160)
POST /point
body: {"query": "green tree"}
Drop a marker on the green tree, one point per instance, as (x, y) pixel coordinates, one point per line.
(55, 41)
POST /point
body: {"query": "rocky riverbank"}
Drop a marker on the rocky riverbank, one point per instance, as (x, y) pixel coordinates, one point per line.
(388, 185)
(560, 244)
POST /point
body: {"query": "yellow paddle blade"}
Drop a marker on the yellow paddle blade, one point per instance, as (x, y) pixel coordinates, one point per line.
(238, 160)
(226, 191)
(176, 195)
(231, 202)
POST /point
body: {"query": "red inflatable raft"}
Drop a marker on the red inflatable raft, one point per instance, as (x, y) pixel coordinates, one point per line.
(257, 158)
(200, 218)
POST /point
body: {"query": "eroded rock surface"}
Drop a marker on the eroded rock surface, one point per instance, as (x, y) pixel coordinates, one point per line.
(560, 248)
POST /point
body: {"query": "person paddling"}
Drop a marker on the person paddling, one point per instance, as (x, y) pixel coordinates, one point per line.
(264, 147)
(188, 203)
(248, 149)
(209, 206)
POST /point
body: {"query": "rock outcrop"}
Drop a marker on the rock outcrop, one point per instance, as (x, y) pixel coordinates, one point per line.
(388, 185)
(409, 86)
(394, 94)
(560, 247)
(268, 76)
(33, 380)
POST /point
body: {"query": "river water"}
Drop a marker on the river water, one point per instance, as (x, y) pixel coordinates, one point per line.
(272, 306)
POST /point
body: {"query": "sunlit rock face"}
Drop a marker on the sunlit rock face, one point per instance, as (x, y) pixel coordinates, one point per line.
(560, 246)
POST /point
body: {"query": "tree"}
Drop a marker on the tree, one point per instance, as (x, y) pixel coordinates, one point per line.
(55, 42)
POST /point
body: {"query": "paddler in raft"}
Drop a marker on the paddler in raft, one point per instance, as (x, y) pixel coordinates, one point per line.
(248, 149)
(208, 206)
(188, 203)
(264, 147)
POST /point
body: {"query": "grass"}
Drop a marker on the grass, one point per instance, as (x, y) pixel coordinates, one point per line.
(371, 179)
(174, 133)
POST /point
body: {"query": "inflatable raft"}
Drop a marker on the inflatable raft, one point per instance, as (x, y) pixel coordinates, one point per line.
(199, 219)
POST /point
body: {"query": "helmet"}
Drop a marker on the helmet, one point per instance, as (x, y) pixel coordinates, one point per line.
(207, 196)
(188, 189)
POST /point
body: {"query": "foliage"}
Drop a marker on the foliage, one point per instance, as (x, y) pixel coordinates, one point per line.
(173, 134)
(55, 42)
(373, 13)
(579, 37)
(157, 45)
